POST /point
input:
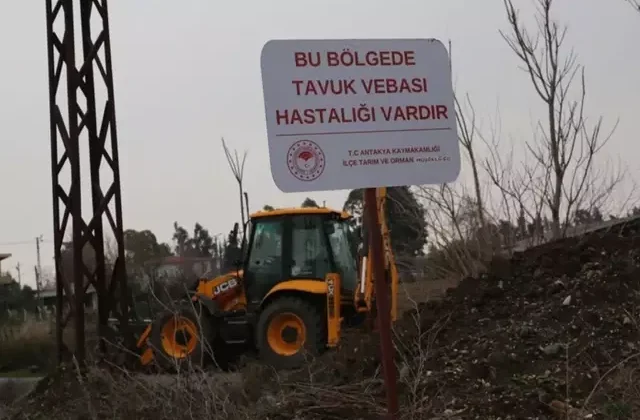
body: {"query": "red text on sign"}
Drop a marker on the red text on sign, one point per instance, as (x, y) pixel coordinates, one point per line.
(414, 112)
(325, 115)
(361, 114)
(381, 86)
(370, 86)
(348, 58)
(323, 87)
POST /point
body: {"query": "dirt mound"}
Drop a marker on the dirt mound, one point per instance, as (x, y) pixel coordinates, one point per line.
(559, 322)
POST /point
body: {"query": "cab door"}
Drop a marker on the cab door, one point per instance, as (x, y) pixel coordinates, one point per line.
(310, 256)
(265, 265)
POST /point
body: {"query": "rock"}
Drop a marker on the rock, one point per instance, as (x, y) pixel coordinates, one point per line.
(556, 287)
(552, 349)
(526, 332)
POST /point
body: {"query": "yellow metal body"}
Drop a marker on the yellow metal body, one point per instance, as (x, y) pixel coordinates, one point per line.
(292, 211)
(308, 286)
(231, 299)
(275, 331)
(229, 294)
(334, 318)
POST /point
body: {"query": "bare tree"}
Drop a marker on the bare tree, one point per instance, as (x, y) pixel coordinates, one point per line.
(237, 168)
(521, 186)
(453, 229)
(635, 4)
(567, 143)
(467, 130)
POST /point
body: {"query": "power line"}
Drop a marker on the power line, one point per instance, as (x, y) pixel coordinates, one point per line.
(26, 242)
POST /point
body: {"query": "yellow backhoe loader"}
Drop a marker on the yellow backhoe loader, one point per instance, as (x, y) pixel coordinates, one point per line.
(299, 279)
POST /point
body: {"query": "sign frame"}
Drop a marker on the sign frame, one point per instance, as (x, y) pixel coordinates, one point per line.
(359, 113)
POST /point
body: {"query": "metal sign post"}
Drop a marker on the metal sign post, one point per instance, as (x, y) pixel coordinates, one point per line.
(382, 301)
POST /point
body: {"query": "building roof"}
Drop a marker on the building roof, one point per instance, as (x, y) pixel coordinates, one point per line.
(4, 256)
(299, 210)
(49, 292)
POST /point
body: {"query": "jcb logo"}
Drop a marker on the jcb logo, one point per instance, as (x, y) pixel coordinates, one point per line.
(330, 297)
(330, 287)
(225, 286)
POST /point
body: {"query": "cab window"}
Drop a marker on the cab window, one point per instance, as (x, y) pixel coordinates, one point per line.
(343, 255)
(266, 249)
(310, 257)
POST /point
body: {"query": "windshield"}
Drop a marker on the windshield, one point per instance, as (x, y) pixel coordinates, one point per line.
(342, 253)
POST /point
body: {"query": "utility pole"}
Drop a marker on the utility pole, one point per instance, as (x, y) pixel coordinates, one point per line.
(38, 240)
(35, 269)
(88, 118)
(39, 302)
(38, 267)
(19, 275)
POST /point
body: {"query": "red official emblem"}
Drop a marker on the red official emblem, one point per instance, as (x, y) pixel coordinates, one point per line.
(305, 160)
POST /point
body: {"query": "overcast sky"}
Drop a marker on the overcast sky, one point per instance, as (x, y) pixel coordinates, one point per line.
(187, 75)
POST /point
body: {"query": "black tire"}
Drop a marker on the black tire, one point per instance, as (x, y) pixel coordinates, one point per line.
(197, 357)
(315, 337)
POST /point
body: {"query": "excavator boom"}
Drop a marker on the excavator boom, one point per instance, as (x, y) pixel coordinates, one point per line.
(365, 293)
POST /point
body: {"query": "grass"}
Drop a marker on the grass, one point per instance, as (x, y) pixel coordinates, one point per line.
(21, 373)
(27, 347)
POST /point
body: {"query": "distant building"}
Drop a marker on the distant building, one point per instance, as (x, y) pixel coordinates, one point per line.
(48, 297)
(7, 283)
(185, 268)
(174, 266)
(3, 257)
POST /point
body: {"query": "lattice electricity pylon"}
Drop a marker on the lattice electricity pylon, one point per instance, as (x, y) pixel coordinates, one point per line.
(82, 122)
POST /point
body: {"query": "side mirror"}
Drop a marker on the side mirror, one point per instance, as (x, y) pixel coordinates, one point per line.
(234, 231)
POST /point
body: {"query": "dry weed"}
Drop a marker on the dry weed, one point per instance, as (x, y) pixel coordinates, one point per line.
(30, 345)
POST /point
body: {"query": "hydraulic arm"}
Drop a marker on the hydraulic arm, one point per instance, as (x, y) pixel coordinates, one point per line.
(365, 292)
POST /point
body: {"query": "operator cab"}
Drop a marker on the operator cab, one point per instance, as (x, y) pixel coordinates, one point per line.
(297, 244)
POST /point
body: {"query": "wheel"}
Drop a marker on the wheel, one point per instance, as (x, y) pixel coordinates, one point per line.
(288, 329)
(177, 338)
